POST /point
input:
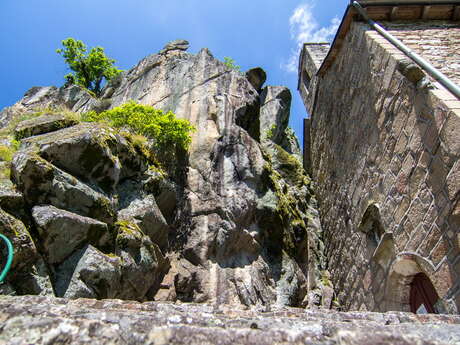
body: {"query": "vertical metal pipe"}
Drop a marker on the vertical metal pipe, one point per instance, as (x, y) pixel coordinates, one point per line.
(432, 71)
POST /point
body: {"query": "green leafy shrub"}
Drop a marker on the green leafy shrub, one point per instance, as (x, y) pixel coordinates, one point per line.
(89, 68)
(164, 128)
(230, 63)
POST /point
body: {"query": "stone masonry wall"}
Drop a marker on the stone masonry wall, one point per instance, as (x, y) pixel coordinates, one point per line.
(437, 42)
(310, 64)
(385, 156)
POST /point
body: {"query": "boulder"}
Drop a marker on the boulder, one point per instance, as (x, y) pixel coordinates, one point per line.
(143, 266)
(175, 45)
(42, 124)
(91, 152)
(145, 213)
(274, 112)
(134, 272)
(88, 273)
(25, 251)
(256, 77)
(44, 184)
(28, 273)
(33, 280)
(61, 232)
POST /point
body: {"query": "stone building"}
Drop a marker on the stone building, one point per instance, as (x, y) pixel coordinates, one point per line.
(383, 145)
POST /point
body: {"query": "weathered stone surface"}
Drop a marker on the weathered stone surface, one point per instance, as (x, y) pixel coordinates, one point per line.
(143, 266)
(256, 77)
(175, 45)
(35, 97)
(145, 213)
(134, 272)
(25, 250)
(88, 273)
(28, 273)
(61, 232)
(43, 183)
(274, 112)
(94, 153)
(383, 139)
(71, 97)
(11, 200)
(232, 215)
(41, 320)
(42, 124)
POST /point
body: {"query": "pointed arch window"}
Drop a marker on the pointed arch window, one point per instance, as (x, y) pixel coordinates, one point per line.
(371, 225)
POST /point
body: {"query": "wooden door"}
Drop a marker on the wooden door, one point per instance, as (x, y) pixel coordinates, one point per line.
(423, 296)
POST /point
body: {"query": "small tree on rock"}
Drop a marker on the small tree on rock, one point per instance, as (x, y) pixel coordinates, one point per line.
(89, 69)
(230, 63)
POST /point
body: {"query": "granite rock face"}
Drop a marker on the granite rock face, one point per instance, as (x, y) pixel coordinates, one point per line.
(232, 222)
(44, 320)
(61, 232)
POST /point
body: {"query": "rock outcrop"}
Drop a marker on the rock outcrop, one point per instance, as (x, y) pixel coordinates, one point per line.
(232, 222)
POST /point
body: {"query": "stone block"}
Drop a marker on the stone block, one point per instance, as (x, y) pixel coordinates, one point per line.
(453, 181)
(443, 279)
(416, 211)
(401, 209)
(431, 138)
(432, 237)
(437, 174)
(440, 251)
(450, 138)
(416, 238)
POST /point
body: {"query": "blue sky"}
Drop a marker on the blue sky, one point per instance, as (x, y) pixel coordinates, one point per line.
(253, 32)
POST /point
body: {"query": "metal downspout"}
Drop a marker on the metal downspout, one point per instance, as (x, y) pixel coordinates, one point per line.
(432, 71)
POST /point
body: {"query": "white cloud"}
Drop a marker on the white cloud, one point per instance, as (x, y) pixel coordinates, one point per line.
(305, 28)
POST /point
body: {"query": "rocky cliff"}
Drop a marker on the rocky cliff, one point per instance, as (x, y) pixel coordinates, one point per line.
(232, 221)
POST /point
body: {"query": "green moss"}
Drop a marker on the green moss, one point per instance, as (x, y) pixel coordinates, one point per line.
(294, 234)
(102, 210)
(325, 279)
(5, 172)
(60, 110)
(290, 167)
(129, 228)
(270, 132)
(128, 234)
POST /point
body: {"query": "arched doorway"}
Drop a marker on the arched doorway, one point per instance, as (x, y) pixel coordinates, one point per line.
(423, 296)
(408, 287)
